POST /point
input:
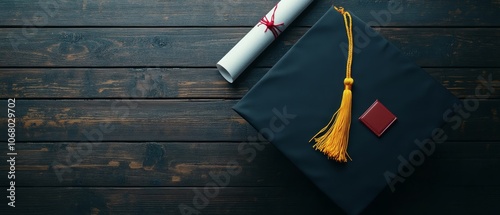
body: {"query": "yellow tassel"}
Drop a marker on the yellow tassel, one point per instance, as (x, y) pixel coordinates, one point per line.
(333, 139)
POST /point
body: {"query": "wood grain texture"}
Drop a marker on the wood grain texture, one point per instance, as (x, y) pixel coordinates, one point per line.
(203, 47)
(128, 120)
(183, 164)
(185, 83)
(184, 120)
(168, 200)
(251, 201)
(239, 12)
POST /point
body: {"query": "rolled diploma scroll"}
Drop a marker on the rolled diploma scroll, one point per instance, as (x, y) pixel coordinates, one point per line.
(255, 41)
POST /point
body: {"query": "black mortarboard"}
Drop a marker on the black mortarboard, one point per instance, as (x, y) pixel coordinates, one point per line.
(395, 106)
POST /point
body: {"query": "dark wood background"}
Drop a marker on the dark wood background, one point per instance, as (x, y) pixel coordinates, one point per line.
(142, 74)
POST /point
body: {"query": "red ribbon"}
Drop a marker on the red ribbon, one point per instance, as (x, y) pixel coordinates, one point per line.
(270, 24)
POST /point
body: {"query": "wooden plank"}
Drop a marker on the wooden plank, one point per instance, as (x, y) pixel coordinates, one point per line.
(183, 120)
(160, 200)
(203, 47)
(242, 201)
(182, 83)
(464, 82)
(127, 120)
(239, 13)
(176, 164)
(152, 164)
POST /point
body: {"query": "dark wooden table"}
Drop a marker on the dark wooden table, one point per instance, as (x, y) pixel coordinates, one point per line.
(120, 109)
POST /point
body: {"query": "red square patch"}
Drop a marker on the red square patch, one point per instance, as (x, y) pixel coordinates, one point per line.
(377, 118)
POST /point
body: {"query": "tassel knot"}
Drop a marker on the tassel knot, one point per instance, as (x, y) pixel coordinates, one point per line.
(348, 83)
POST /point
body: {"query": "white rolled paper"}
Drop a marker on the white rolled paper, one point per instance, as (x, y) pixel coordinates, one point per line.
(257, 39)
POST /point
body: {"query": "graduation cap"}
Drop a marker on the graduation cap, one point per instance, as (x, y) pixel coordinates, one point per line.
(345, 115)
